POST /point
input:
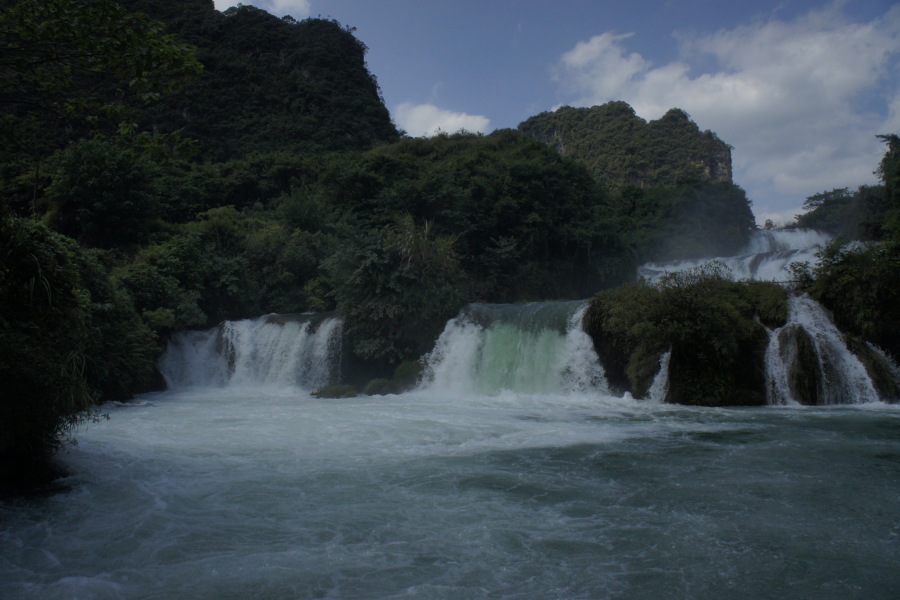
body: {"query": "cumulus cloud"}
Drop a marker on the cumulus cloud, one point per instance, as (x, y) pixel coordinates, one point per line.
(427, 119)
(299, 9)
(800, 101)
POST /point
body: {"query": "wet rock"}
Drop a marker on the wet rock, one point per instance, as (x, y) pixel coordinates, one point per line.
(798, 351)
(880, 370)
(719, 381)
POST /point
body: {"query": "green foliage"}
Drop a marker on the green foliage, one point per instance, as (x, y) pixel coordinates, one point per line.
(396, 289)
(889, 171)
(45, 334)
(379, 387)
(686, 221)
(514, 206)
(56, 54)
(268, 84)
(705, 319)
(843, 213)
(121, 347)
(619, 148)
(407, 375)
(861, 286)
(102, 196)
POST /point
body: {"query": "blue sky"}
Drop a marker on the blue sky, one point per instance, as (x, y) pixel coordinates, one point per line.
(799, 88)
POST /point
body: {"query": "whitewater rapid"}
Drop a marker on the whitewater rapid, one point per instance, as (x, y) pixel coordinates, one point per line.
(767, 256)
(509, 472)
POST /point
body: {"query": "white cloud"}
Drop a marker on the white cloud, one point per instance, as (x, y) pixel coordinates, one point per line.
(800, 101)
(426, 119)
(299, 9)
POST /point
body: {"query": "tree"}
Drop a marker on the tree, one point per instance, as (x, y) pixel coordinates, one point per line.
(44, 334)
(824, 198)
(101, 196)
(396, 289)
(57, 57)
(889, 171)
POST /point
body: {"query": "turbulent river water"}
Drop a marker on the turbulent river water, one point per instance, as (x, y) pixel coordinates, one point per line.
(511, 472)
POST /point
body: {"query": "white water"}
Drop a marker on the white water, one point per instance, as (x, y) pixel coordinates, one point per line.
(777, 389)
(659, 389)
(845, 379)
(256, 352)
(240, 493)
(538, 347)
(767, 256)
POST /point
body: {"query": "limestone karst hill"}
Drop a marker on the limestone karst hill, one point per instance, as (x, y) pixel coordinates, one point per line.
(620, 148)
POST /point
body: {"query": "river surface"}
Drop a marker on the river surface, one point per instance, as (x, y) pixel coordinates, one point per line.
(256, 492)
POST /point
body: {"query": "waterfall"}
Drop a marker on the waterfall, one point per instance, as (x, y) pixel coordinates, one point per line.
(807, 361)
(766, 256)
(539, 347)
(660, 386)
(785, 239)
(278, 350)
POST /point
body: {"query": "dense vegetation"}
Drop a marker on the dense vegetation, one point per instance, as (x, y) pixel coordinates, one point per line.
(705, 319)
(269, 84)
(274, 181)
(620, 148)
(860, 283)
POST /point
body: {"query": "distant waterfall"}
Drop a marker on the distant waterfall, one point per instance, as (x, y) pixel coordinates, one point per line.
(766, 256)
(538, 347)
(277, 350)
(807, 360)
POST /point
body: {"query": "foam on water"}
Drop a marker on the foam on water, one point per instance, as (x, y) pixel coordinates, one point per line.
(767, 256)
(303, 351)
(660, 386)
(844, 379)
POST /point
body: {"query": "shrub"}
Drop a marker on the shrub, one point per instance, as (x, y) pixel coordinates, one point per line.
(705, 319)
(335, 391)
(379, 387)
(44, 336)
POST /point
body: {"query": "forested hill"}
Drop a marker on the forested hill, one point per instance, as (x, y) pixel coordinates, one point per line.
(620, 148)
(268, 84)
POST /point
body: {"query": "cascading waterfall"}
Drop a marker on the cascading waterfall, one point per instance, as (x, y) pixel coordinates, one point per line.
(660, 386)
(808, 358)
(539, 347)
(767, 256)
(277, 350)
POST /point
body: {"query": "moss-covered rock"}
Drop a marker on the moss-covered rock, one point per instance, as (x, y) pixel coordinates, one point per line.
(407, 375)
(705, 318)
(642, 370)
(738, 380)
(798, 351)
(884, 377)
(335, 391)
(379, 387)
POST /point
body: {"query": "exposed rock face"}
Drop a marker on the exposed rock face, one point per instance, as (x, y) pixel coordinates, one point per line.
(622, 149)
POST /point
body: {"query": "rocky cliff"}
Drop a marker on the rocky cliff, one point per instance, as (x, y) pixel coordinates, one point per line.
(622, 149)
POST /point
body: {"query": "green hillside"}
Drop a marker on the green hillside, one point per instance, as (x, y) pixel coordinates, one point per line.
(620, 148)
(269, 84)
